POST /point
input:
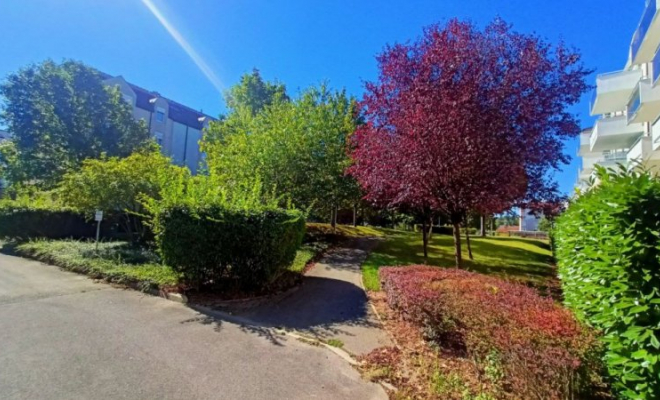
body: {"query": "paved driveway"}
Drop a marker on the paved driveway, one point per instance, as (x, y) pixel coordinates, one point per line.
(63, 336)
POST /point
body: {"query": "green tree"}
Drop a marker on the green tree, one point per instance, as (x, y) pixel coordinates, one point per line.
(254, 94)
(119, 186)
(60, 115)
(299, 148)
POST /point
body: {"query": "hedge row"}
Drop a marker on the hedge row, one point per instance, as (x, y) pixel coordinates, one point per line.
(213, 245)
(24, 222)
(608, 253)
(543, 351)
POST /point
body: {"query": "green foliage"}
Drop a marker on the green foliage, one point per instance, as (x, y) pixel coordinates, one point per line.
(60, 115)
(117, 262)
(118, 186)
(609, 263)
(545, 225)
(40, 215)
(253, 94)
(22, 222)
(298, 148)
(218, 245)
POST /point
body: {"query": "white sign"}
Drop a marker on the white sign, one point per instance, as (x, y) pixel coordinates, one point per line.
(99, 216)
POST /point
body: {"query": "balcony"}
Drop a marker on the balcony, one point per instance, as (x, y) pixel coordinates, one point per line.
(640, 150)
(585, 143)
(613, 91)
(644, 105)
(656, 67)
(614, 133)
(647, 36)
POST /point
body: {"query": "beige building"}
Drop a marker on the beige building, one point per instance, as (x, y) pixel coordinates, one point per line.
(177, 128)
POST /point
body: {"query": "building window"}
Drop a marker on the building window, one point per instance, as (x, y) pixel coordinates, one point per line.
(159, 138)
(160, 114)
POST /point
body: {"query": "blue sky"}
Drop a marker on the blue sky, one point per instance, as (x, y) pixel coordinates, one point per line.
(295, 41)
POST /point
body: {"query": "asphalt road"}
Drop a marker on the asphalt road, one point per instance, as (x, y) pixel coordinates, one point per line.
(63, 336)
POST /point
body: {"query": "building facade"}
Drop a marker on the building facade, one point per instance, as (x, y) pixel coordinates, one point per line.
(627, 104)
(177, 129)
(528, 222)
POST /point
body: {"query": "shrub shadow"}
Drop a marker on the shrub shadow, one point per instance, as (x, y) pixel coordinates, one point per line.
(322, 308)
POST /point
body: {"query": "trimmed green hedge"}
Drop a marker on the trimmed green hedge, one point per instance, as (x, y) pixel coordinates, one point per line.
(24, 222)
(214, 245)
(608, 252)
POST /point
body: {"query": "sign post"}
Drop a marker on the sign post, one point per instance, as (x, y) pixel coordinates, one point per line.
(98, 217)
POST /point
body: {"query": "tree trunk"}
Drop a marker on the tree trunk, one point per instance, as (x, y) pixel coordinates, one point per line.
(483, 225)
(457, 244)
(425, 240)
(355, 210)
(467, 238)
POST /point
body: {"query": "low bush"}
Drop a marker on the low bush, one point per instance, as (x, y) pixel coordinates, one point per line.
(118, 262)
(18, 221)
(542, 351)
(215, 245)
(608, 253)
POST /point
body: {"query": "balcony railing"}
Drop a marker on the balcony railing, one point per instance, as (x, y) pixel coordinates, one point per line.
(635, 103)
(643, 28)
(616, 156)
(656, 67)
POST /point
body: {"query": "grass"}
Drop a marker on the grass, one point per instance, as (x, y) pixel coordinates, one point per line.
(306, 254)
(335, 343)
(346, 231)
(117, 262)
(525, 260)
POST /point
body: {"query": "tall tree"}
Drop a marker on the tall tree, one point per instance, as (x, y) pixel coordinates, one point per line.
(60, 115)
(443, 105)
(297, 147)
(254, 94)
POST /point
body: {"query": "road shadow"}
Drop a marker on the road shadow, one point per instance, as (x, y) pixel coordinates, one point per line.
(323, 308)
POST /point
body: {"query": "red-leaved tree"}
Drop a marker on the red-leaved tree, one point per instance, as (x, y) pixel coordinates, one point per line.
(467, 120)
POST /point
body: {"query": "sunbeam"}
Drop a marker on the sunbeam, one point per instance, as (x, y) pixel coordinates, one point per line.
(194, 55)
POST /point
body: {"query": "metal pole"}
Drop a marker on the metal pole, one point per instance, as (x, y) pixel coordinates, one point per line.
(98, 233)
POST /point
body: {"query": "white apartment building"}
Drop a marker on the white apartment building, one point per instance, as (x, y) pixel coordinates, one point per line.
(628, 105)
(177, 128)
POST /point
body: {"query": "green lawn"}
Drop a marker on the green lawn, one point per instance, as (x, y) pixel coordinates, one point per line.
(525, 260)
(305, 254)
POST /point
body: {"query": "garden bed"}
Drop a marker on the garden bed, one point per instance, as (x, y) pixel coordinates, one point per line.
(116, 262)
(140, 268)
(463, 335)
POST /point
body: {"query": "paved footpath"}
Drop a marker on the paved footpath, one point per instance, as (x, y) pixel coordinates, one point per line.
(62, 336)
(331, 304)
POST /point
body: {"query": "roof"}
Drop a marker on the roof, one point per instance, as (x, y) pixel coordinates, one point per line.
(508, 228)
(145, 100)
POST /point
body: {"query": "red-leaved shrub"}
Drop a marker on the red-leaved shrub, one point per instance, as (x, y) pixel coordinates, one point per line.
(539, 347)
